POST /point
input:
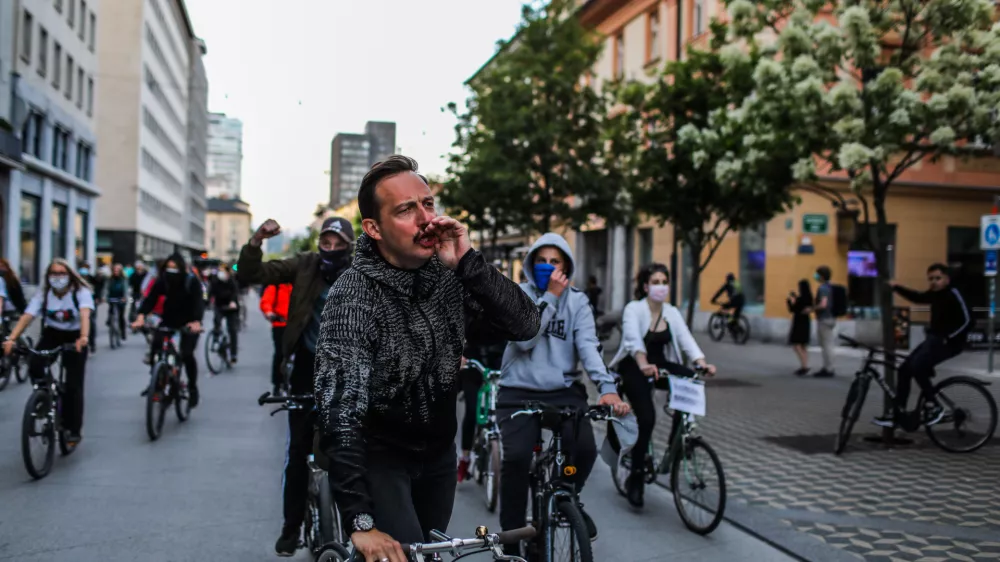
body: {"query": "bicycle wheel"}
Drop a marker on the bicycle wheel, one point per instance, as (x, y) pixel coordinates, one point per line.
(491, 482)
(566, 537)
(65, 448)
(325, 505)
(700, 507)
(212, 357)
(157, 400)
(113, 335)
(970, 416)
(225, 352)
(852, 410)
(620, 473)
(717, 326)
(6, 366)
(333, 552)
(180, 397)
(38, 435)
(741, 330)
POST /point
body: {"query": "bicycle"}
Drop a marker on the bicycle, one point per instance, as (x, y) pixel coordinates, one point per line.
(116, 309)
(945, 392)
(461, 548)
(678, 464)
(11, 365)
(44, 407)
(323, 532)
(166, 386)
(217, 348)
(486, 448)
(721, 322)
(554, 501)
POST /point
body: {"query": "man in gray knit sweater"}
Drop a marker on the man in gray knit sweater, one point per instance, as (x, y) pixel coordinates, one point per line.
(388, 356)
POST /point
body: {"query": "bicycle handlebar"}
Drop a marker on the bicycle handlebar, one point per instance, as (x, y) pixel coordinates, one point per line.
(482, 368)
(484, 541)
(533, 408)
(268, 398)
(48, 353)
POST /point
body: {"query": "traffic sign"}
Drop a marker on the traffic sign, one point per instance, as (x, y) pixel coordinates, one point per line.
(815, 224)
(990, 269)
(989, 232)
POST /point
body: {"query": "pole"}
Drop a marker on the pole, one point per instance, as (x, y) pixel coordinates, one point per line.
(993, 309)
(673, 270)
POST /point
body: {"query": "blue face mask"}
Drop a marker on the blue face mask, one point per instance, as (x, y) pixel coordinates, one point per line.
(543, 272)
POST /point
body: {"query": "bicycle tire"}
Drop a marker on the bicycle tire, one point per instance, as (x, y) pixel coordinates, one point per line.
(181, 398)
(38, 404)
(210, 354)
(333, 552)
(325, 504)
(851, 411)
(620, 472)
(491, 482)
(569, 517)
(935, 436)
(65, 449)
(6, 366)
(113, 336)
(720, 504)
(742, 332)
(156, 401)
(716, 326)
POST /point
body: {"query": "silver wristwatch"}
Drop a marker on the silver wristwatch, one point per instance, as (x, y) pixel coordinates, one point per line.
(363, 522)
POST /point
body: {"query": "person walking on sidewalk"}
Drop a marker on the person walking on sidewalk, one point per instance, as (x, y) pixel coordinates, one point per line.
(310, 274)
(945, 338)
(800, 304)
(826, 322)
(274, 304)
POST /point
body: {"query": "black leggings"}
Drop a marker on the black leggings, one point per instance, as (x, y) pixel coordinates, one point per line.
(75, 363)
(117, 310)
(470, 381)
(278, 337)
(639, 391)
(232, 317)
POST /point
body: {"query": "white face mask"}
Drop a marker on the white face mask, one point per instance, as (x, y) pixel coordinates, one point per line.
(658, 293)
(59, 282)
(223, 276)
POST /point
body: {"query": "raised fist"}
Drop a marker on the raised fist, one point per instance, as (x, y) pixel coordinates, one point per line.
(269, 229)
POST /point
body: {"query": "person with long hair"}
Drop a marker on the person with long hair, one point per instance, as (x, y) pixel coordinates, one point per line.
(654, 337)
(800, 305)
(65, 303)
(11, 290)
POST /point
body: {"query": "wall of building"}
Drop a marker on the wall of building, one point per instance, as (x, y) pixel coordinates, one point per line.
(225, 156)
(227, 233)
(197, 146)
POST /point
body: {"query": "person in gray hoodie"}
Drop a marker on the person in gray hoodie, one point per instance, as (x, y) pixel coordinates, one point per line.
(544, 369)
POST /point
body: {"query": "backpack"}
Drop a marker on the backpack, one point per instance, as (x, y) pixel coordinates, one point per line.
(838, 297)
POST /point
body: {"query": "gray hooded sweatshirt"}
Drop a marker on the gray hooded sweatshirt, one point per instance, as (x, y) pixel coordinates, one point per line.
(567, 336)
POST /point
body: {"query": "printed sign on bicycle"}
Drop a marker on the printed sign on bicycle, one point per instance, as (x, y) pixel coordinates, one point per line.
(687, 395)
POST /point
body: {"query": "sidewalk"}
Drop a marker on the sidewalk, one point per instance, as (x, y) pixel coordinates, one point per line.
(775, 432)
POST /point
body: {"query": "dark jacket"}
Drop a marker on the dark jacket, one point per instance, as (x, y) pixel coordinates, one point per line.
(388, 356)
(16, 294)
(221, 293)
(184, 303)
(950, 318)
(302, 271)
(135, 283)
(116, 288)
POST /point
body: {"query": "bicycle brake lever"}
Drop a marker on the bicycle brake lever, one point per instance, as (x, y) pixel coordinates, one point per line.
(281, 409)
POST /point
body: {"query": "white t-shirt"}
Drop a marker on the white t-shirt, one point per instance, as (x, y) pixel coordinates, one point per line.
(61, 314)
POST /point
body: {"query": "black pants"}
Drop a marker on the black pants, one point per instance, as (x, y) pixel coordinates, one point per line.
(519, 436)
(75, 363)
(470, 381)
(232, 326)
(188, 344)
(736, 305)
(277, 336)
(639, 391)
(920, 365)
(295, 483)
(117, 310)
(412, 494)
(92, 338)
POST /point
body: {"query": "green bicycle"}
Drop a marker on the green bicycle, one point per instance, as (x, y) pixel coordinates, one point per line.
(485, 461)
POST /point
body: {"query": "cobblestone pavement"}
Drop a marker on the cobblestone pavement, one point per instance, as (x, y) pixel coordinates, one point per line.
(774, 433)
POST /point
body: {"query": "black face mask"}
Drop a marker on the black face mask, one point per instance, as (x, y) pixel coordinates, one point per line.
(332, 261)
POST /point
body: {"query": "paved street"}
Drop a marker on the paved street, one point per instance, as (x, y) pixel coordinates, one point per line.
(209, 489)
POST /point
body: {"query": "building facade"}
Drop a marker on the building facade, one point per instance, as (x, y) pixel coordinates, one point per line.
(228, 228)
(381, 140)
(143, 123)
(50, 203)
(352, 155)
(225, 156)
(196, 204)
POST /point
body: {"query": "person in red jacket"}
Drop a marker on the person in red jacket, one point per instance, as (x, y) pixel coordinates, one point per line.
(274, 305)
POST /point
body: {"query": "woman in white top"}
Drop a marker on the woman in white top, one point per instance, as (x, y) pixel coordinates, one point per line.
(654, 337)
(65, 302)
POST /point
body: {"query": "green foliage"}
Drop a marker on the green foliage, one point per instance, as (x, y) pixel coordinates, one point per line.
(307, 243)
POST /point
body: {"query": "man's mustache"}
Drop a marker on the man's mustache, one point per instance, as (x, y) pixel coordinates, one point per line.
(423, 235)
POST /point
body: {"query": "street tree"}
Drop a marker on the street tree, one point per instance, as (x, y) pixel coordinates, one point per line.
(883, 85)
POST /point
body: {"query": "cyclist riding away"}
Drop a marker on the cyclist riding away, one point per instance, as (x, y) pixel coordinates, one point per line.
(225, 298)
(65, 302)
(274, 304)
(135, 283)
(116, 289)
(470, 380)
(183, 306)
(945, 338)
(388, 356)
(310, 276)
(654, 337)
(544, 368)
(734, 294)
(96, 282)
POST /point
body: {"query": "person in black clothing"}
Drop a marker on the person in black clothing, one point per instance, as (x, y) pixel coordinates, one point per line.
(116, 288)
(945, 338)
(135, 286)
(184, 307)
(800, 305)
(734, 294)
(390, 345)
(224, 294)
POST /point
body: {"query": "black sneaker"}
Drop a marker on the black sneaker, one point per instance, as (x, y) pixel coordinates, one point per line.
(193, 395)
(287, 543)
(802, 372)
(933, 414)
(823, 374)
(591, 527)
(635, 487)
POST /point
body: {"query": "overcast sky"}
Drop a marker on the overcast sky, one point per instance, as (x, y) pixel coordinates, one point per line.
(299, 71)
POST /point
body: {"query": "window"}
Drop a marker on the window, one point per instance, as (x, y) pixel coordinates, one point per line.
(653, 42)
(31, 134)
(752, 260)
(645, 246)
(619, 69)
(69, 77)
(26, 27)
(83, 154)
(58, 230)
(30, 206)
(79, 87)
(59, 6)
(43, 51)
(83, 21)
(93, 30)
(80, 236)
(72, 14)
(699, 25)
(56, 64)
(965, 260)
(862, 292)
(157, 131)
(60, 148)
(90, 96)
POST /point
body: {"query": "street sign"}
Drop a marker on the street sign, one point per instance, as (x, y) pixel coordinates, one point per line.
(990, 270)
(989, 232)
(815, 224)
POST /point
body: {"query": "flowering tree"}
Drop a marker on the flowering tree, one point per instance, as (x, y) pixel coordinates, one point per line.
(882, 85)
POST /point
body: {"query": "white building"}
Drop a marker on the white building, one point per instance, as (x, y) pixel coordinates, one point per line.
(145, 47)
(49, 204)
(225, 156)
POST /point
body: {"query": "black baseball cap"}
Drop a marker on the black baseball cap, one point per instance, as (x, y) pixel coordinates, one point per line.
(339, 225)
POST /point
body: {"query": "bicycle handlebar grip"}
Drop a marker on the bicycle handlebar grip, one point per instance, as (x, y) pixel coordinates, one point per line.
(263, 398)
(516, 535)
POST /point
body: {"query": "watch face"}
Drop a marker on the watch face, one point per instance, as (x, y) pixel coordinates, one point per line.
(364, 522)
